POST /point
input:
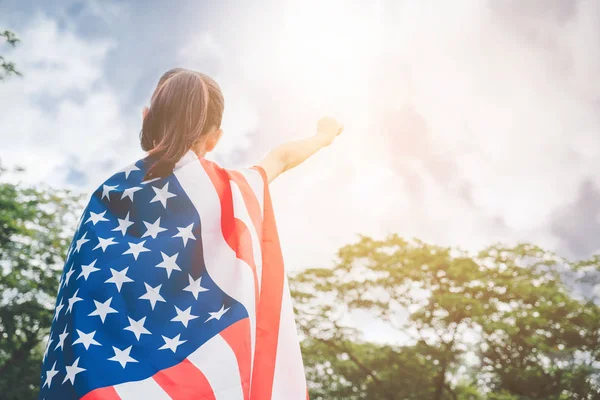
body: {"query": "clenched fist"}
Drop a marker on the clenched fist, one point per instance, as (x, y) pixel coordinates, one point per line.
(328, 128)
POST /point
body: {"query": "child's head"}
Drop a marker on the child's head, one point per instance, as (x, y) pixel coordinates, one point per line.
(185, 112)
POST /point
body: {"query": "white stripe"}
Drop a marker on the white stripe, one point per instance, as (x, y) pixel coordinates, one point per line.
(255, 180)
(231, 274)
(240, 211)
(187, 158)
(289, 381)
(216, 360)
(146, 389)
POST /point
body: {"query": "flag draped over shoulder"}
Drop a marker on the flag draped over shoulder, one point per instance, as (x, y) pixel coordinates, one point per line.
(174, 288)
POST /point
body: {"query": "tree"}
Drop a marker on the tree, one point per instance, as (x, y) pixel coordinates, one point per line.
(545, 342)
(34, 235)
(8, 67)
(500, 324)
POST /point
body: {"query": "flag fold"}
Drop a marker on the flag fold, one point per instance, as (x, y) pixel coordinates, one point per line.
(175, 288)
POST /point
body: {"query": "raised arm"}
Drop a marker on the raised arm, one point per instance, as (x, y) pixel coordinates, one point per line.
(292, 154)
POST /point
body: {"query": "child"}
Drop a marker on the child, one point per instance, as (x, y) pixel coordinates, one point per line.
(174, 285)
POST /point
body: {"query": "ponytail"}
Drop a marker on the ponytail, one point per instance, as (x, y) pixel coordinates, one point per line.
(184, 106)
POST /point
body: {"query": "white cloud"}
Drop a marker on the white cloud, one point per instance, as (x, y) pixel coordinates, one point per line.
(510, 109)
(62, 114)
(507, 98)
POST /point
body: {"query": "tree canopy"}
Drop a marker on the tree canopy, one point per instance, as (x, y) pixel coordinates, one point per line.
(35, 229)
(500, 324)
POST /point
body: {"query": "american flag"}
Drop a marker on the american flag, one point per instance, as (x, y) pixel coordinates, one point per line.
(174, 288)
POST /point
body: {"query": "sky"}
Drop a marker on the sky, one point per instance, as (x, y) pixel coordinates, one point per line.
(466, 123)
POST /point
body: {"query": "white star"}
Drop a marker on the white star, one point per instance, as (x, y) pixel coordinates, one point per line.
(153, 229)
(68, 276)
(162, 195)
(61, 338)
(122, 356)
(50, 375)
(123, 225)
(168, 263)
(72, 301)
(118, 278)
(72, 371)
(136, 248)
(50, 340)
(95, 218)
(103, 309)
(82, 240)
(152, 295)
(217, 315)
(184, 316)
(59, 307)
(86, 339)
(172, 344)
(129, 192)
(128, 169)
(194, 287)
(104, 243)
(150, 181)
(106, 189)
(86, 270)
(186, 233)
(137, 327)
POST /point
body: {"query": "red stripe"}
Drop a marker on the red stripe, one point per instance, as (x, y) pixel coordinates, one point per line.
(184, 381)
(251, 201)
(268, 311)
(105, 393)
(237, 337)
(269, 308)
(235, 232)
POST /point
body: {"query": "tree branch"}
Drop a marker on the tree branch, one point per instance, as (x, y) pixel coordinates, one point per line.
(360, 365)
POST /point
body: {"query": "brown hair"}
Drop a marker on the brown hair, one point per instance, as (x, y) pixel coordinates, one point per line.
(185, 105)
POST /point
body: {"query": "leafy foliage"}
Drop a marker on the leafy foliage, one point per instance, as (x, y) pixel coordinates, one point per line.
(495, 325)
(8, 67)
(33, 243)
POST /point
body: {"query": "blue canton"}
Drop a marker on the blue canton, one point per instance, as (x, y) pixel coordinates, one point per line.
(134, 296)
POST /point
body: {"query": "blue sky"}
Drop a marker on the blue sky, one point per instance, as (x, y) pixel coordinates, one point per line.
(466, 123)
